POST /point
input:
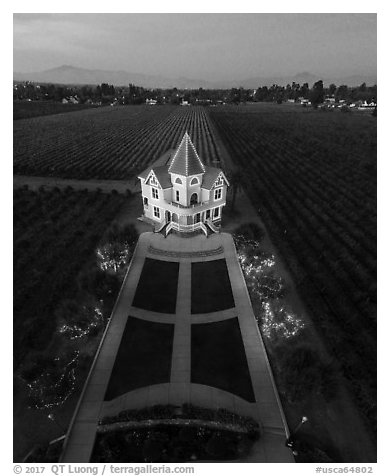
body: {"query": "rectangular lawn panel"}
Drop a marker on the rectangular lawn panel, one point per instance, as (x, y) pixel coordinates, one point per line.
(211, 290)
(157, 286)
(144, 357)
(218, 358)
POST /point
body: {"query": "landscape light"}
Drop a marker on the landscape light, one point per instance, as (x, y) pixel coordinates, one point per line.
(51, 417)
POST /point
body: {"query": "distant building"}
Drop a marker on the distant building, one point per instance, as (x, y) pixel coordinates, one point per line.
(70, 100)
(184, 195)
(151, 102)
(365, 106)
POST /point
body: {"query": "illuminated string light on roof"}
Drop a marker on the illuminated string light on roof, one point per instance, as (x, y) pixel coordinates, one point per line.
(184, 156)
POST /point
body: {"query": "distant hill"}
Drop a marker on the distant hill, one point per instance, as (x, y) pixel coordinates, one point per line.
(71, 75)
(67, 74)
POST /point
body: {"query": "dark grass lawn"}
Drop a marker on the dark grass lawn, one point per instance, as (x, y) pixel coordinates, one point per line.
(157, 286)
(210, 287)
(218, 358)
(144, 357)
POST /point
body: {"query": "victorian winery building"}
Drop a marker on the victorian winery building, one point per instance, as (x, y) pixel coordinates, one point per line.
(185, 195)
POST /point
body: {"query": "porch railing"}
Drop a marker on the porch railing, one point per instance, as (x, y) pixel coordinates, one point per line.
(192, 205)
(186, 228)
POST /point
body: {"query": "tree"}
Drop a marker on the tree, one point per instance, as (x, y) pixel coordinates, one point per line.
(363, 88)
(78, 319)
(342, 92)
(332, 89)
(112, 256)
(98, 283)
(261, 94)
(234, 96)
(304, 90)
(317, 93)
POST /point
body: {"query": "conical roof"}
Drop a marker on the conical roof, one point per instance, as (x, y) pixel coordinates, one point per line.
(186, 160)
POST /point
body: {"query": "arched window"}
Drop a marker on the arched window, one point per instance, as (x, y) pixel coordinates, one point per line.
(194, 199)
(194, 181)
(178, 181)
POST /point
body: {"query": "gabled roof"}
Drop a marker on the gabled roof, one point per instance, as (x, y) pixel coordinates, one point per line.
(161, 174)
(211, 176)
(186, 160)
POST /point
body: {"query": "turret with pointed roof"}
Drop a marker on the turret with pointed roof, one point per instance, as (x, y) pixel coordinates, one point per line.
(186, 160)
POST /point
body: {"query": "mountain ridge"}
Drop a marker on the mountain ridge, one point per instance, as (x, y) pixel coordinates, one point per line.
(68, 74)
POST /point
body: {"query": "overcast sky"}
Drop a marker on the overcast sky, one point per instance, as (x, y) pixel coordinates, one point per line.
(201, 46)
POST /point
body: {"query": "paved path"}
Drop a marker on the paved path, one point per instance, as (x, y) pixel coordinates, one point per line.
(266, 410)
(107, 186)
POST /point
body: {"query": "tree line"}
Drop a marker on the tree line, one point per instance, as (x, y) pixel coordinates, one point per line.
(108, 94)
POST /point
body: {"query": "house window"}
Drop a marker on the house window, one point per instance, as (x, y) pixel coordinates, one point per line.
(146, 202)
(194, 199)
(155, 193)
(216, 212)
(218, 194)
(219, 181)
(177, 195)
(207, 214)
(194, 181)
(178, 181)
(156, 212)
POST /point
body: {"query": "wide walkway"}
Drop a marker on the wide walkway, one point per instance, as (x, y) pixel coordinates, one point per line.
(266, 410)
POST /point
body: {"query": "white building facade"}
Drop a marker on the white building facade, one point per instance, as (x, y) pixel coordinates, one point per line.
(184, 195)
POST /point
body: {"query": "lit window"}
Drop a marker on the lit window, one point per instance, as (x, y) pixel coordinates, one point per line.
(177, 195)
(218, 194)
(156, 212)
(155, 193)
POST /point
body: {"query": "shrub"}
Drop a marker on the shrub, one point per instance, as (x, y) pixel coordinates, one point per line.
(248, 234)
